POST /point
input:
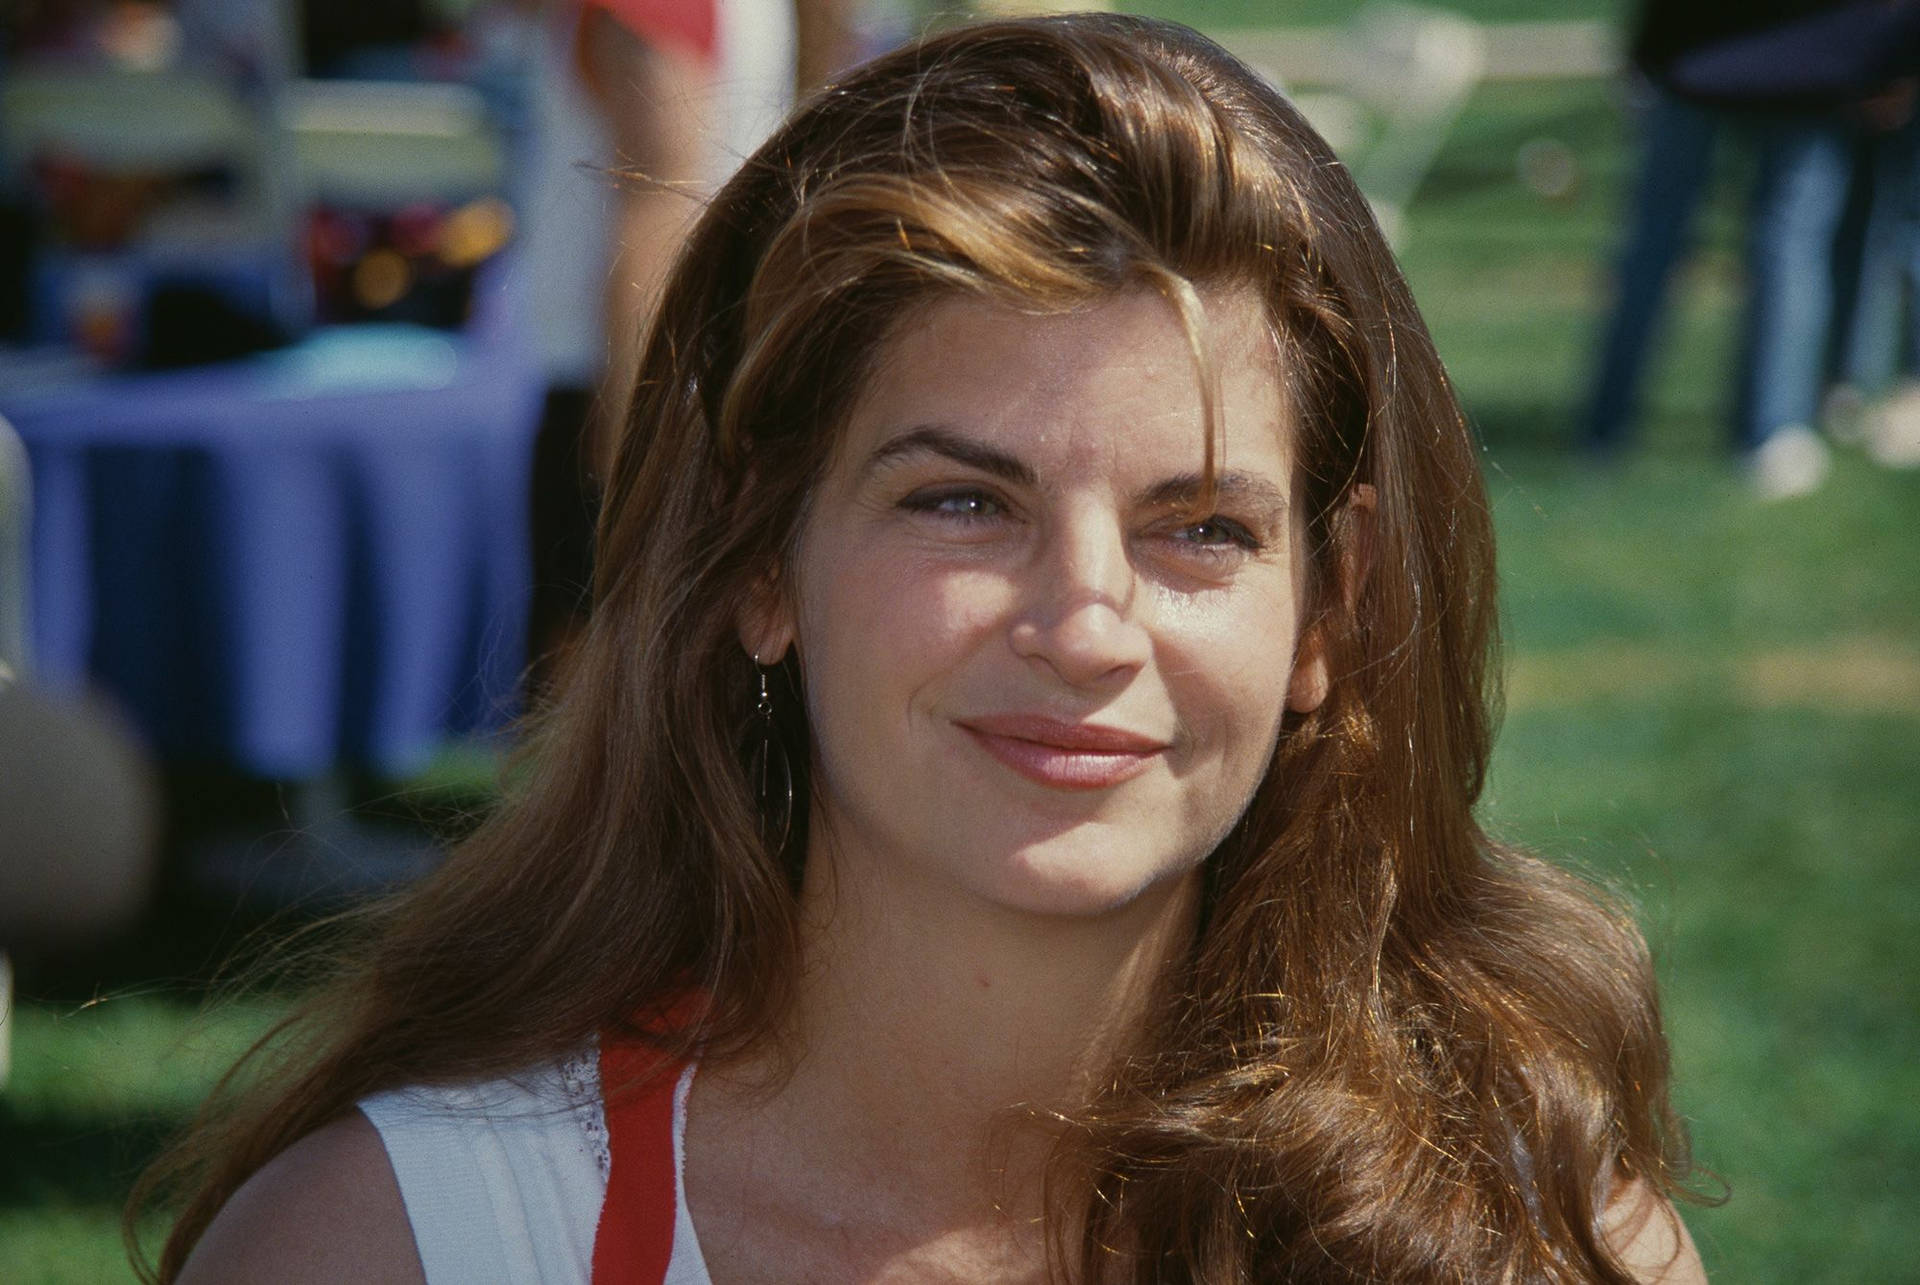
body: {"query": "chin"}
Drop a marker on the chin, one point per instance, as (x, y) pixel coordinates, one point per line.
(1083, 884)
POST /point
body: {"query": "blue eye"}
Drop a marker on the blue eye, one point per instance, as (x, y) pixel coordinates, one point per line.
(967, 505)
(1218, 532)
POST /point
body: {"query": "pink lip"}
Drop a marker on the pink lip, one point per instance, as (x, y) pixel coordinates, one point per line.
(1062, 755)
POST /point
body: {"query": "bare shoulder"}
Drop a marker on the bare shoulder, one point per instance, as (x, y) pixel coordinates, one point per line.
(328, 1208)
(1646, 1232)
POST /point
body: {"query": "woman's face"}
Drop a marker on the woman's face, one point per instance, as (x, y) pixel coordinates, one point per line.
(1034, 672)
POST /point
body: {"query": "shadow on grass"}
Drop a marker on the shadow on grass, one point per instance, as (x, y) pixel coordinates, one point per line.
(1539, 426)
(195, 944)
(187, 943)
(1481, 157)
(1547, 431)
(198, 935)
(62, 1160)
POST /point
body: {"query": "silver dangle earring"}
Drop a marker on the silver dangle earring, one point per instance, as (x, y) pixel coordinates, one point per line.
(769, 771)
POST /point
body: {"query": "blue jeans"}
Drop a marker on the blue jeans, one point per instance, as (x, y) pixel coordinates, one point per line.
(1676, 149)
(1879, 271)
(1800, 195)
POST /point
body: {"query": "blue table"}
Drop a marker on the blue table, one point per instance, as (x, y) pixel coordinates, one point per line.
(310, 558)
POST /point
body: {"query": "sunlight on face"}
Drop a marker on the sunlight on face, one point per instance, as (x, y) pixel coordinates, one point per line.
(1034, 674)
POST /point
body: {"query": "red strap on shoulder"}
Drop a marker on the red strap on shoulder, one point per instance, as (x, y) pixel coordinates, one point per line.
(634, 1241)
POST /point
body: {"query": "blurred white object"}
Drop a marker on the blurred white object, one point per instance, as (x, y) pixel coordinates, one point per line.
(79, 828)
(565, 182)
(1556, 49)
(1793, 461)
(79, 819)
(1401, 73)
(1414, 68)
(125, 120)
(1547, 167)
(1891, 430)
(1029, 8)
(383, 144)
(1843, 414)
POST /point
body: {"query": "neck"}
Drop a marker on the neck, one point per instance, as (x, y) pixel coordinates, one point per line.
(990, 1006)
(934, 1031)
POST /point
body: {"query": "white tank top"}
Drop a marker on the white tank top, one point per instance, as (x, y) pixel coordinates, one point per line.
(503, 1181)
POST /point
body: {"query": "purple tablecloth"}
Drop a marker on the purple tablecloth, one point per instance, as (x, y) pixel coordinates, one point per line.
(306, 559)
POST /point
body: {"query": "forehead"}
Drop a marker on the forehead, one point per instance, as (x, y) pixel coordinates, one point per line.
(1120, 371)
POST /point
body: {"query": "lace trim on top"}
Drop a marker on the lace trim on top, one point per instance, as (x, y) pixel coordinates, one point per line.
(580, 1077)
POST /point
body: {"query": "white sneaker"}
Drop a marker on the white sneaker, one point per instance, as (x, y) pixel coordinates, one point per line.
(1893, 429)
(1843, 413)
(1792, 461)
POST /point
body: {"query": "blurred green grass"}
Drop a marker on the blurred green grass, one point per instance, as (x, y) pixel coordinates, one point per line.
(1713, 703)
(96, 1089)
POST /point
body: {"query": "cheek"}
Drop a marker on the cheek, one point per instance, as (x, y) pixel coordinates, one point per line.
(1228, 666)
(888, 618)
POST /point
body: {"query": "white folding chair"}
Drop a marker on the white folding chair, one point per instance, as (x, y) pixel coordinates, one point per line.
(1396, 80)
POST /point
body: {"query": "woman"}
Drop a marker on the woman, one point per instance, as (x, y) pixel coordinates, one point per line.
(1011, 816)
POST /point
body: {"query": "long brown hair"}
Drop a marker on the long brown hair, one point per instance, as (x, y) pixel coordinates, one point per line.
(1396, 1050)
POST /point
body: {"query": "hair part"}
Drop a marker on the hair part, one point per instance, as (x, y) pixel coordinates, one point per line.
(1396, 1050)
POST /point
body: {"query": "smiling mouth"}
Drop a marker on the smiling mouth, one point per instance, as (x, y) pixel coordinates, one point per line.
(1064, 756)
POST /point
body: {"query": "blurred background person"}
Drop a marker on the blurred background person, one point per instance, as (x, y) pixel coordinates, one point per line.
(1824, 89)
(633, 111)
(1873, 397)
(1817, 89)
(1676, 147)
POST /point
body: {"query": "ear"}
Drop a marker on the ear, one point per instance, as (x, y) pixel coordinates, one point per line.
(1312, 675)
(1307, 688)
(765, 620)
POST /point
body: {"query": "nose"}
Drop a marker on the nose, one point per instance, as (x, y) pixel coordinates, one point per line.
(1077, 613)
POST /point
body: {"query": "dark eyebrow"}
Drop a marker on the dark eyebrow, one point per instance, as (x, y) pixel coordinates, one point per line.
(1182, 491)
(939, 440)
(1186, 491)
